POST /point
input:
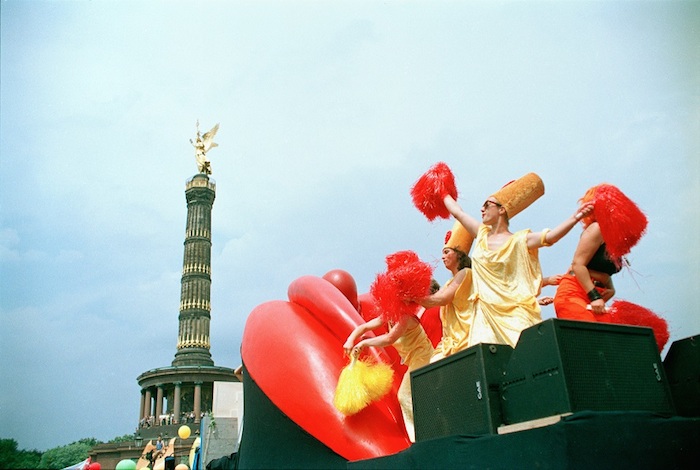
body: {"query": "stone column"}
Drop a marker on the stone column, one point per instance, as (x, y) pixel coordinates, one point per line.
(143, 406)
(159, 404)
(195, 291)
(147, 404)
(176, 402)
(197, 402)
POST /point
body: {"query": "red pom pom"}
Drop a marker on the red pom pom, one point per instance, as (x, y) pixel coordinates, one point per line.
(407, 277)
(400, 259)
(621, 222)
(384, 294)
(428, 192)
(627, 313)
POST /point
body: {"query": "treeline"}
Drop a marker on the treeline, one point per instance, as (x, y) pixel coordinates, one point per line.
(57, 458)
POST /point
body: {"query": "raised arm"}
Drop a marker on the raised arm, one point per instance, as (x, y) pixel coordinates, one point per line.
(550, 237)
(469, 222)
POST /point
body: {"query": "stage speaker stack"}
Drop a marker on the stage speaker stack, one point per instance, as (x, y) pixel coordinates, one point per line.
(564, 366)
(460, 393)
(682, 365)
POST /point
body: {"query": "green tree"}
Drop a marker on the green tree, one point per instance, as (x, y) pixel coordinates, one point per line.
(65, 456)
(124, 438)
(11, 458)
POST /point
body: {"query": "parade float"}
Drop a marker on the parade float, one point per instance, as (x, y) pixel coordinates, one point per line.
(569, 394)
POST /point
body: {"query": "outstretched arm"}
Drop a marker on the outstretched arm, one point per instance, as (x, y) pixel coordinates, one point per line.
(446, 293)
(550, 237)
(469, 222)
(359, 331)
(552, 280)
(389, 337)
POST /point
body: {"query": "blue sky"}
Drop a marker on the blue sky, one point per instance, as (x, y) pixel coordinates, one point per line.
(329, 111)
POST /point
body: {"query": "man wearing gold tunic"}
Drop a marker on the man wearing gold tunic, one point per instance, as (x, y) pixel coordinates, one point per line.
(506, 274)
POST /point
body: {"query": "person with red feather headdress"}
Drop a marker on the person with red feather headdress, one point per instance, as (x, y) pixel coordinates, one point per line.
(609, 233)
(406, 277)
(583, 291)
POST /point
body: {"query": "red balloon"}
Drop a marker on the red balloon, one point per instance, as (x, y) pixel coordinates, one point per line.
(345, 283)
(95, 466)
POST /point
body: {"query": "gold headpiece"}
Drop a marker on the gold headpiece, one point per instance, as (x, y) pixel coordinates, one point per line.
(519, 194)
(459, 238)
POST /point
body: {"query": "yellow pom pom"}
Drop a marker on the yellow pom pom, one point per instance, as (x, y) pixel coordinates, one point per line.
(360, 383)
(377, 379)
(350, 394)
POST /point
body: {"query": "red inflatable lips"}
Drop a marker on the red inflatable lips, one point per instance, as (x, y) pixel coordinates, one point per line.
(294, 352)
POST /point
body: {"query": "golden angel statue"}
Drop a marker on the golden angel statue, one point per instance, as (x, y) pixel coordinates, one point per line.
(202, 144)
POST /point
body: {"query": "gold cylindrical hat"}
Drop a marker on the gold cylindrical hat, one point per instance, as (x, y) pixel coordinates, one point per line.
(459, 238)
(519, 194)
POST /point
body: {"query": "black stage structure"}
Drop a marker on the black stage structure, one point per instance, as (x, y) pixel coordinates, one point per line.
(570, 395)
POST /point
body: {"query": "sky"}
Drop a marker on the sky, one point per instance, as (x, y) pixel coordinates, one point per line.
(329, 111)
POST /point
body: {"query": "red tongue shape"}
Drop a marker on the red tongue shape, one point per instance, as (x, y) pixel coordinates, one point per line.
(293, 351)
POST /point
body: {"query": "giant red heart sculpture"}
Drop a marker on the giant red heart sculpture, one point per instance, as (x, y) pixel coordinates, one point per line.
(294, 352)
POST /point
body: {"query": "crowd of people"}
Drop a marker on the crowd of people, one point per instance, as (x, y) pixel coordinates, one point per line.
(168, 419)
(493, 294)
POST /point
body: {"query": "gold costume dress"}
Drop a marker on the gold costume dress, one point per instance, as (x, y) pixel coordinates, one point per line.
(506, 283)
(414, 348)
(456, 320)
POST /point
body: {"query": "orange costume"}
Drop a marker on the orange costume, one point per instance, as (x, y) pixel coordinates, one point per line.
(621, 225)
(571, 301)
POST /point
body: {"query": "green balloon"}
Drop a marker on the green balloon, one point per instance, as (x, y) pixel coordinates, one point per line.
(126, 464)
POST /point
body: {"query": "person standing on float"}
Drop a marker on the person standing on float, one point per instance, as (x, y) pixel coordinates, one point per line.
(506, 273)
(453, 297)
(609, 233)
(411, 343)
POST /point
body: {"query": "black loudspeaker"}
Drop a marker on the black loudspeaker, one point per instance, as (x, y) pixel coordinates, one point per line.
(682, 365)
(459, 394)
(563, 366)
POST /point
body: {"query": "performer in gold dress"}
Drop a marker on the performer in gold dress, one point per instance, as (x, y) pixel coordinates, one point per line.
(413, 346)
(506, 274)
(453, 297)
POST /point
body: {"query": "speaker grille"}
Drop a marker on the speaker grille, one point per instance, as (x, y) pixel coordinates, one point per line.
(574, 366)
(612, 371)
(682, 366)
(459, 394)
